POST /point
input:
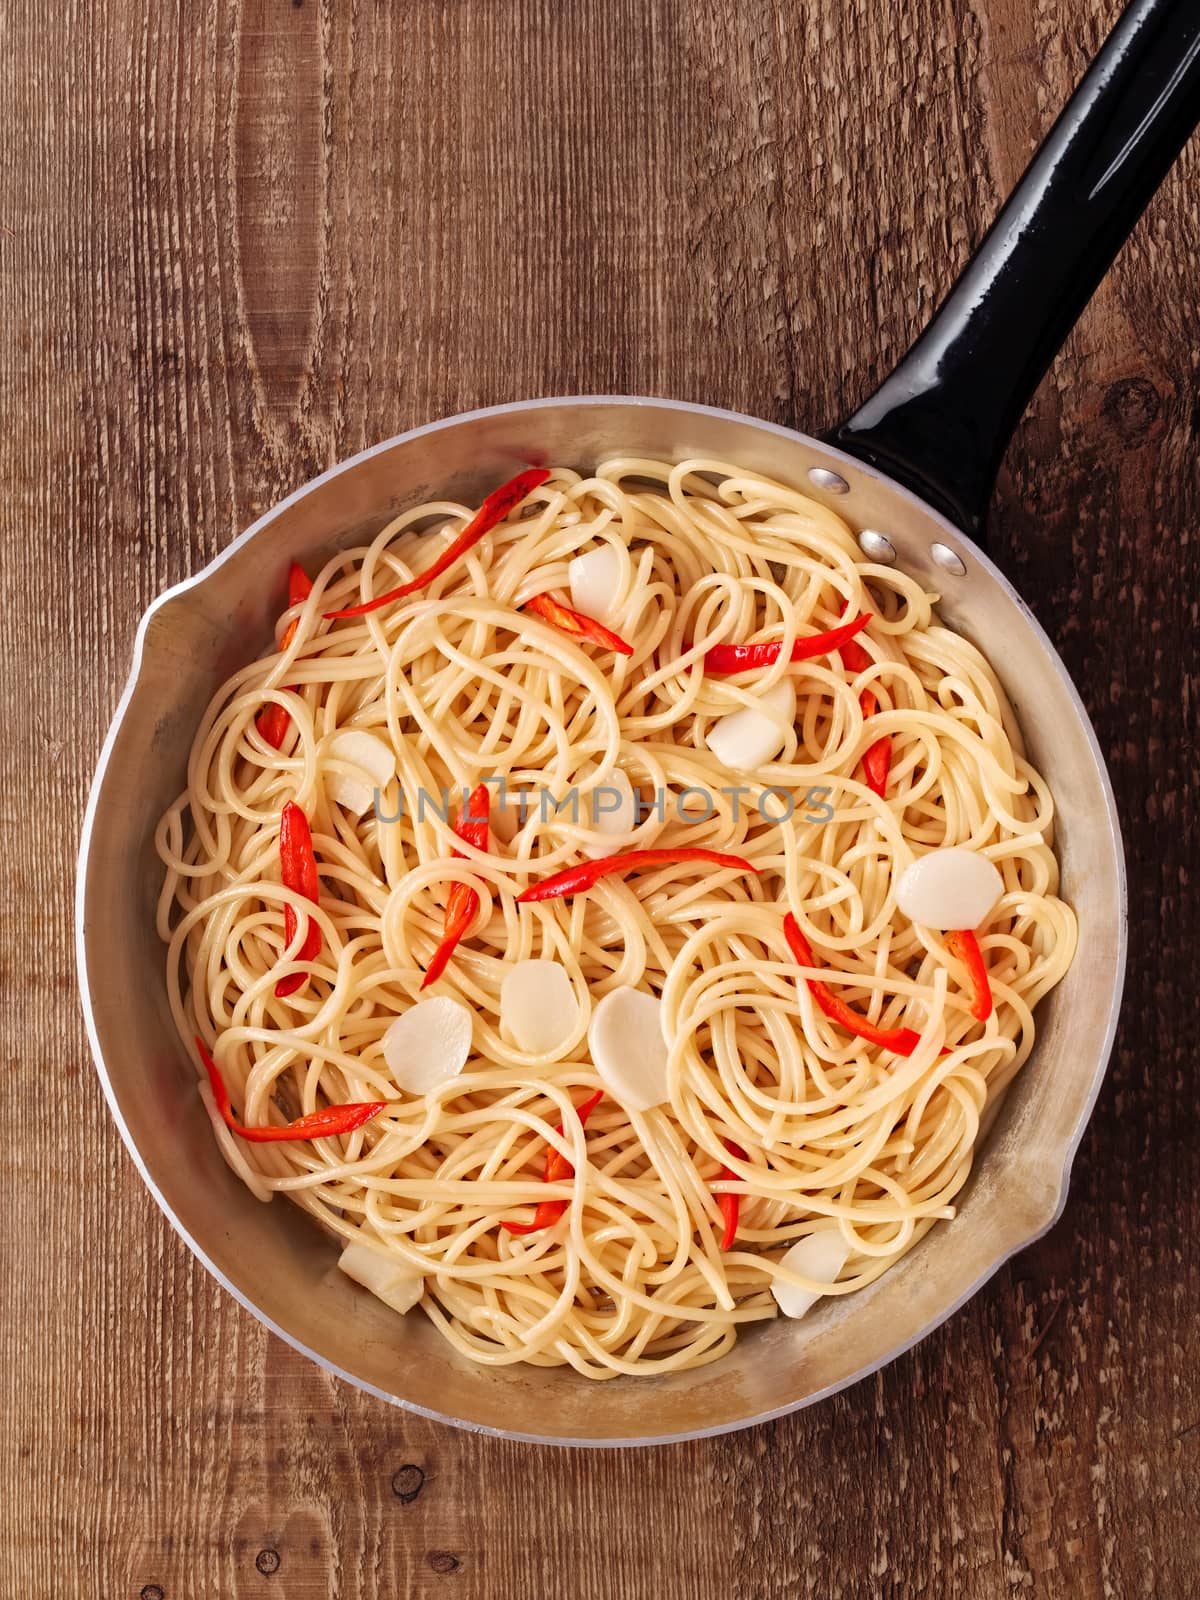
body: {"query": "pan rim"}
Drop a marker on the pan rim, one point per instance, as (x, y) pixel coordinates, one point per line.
(853, 466)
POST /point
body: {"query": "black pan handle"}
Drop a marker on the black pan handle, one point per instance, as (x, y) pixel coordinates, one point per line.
(941, 423)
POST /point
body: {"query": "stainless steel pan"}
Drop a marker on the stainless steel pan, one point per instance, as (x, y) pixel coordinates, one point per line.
(911, 471)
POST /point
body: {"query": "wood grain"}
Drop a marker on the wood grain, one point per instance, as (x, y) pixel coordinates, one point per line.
(240, 239)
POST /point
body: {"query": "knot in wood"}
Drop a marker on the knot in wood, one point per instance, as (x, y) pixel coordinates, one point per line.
(1131, 407)
(407, 1482)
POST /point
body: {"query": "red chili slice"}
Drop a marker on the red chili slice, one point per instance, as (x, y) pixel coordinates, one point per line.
(744, 657)
(298, 867)
(877, 761)
(494, 509)
(462, 902)
(903, 1041)
(730, 1204)
(547, 1212)
(576, 624)
(964, 946)
(273, 721)
(573, 880)
(322, 1124)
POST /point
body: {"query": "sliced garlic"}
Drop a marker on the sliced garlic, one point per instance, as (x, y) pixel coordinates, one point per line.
(374, 764)
(952, 888)
(820, 1256)
(351, 793)
(750, 737)
(538, 1008)
(629, 1049)
(612, 810)
(595, 580)
(393, 1282)
(428, 1044)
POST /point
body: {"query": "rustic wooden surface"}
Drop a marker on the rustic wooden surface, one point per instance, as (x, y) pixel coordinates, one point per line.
(240, 239)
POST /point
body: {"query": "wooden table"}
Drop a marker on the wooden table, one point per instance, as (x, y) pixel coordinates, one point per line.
(240, 239)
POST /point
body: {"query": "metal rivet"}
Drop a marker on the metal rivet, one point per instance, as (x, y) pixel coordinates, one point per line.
(877, 545)
(949, 560)
(831, 482)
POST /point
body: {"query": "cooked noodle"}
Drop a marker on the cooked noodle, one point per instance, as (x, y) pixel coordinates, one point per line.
(838, 1133)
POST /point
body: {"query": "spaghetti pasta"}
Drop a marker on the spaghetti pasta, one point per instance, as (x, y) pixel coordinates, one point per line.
(767, 1097)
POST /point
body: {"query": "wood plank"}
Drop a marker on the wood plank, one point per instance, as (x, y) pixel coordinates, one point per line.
(242, 239)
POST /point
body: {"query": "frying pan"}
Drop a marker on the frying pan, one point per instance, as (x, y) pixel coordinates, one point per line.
(912, 472)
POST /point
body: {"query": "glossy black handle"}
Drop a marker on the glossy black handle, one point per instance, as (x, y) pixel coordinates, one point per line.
(940, 424)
